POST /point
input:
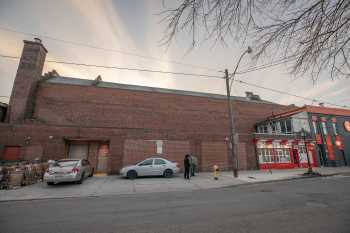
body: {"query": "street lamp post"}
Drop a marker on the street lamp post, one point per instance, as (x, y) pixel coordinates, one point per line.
(230, 112)
(303, 135)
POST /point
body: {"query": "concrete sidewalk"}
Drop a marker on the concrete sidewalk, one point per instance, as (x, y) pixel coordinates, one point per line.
(114, 185)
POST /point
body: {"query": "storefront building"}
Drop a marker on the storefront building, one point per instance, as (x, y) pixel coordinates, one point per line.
(289, 139)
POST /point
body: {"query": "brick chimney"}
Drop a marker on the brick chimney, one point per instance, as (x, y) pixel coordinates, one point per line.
(29, 72)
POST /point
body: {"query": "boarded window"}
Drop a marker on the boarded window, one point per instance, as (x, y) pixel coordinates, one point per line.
(12, 153)
(78, 151)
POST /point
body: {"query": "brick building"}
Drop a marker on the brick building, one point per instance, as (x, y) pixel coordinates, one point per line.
(52, 117)
(326, 138)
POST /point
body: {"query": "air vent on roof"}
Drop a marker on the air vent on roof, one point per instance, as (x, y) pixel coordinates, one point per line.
(251, 96)
(97, 80)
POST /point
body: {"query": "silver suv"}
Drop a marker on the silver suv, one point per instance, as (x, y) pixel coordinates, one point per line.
(68, 170)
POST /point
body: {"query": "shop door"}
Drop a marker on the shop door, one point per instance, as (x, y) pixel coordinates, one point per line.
(296, 157)
(322, 155)
(78, 151)
(12, 153)
(102, 161)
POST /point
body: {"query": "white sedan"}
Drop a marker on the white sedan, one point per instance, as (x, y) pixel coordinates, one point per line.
(150, 167)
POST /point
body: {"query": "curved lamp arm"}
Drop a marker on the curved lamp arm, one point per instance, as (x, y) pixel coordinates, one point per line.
(248, 50)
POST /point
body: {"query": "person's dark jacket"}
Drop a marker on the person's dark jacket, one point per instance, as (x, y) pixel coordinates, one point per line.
(187, 162)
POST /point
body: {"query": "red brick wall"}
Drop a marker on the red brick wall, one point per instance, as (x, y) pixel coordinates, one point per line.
(214, 153)
(138, 150)
(187, 124)
(175, 151)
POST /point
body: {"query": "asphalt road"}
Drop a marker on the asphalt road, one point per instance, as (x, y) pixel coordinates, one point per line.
(317, 205)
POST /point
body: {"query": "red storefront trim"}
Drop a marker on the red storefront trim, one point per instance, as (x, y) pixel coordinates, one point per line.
(264, 166)
(276, 166)
(283, 142)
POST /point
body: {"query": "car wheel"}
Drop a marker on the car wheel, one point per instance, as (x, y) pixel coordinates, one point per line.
(50, 183)
(131, 174)
(168, 173)
(81, 179)
(92, 172)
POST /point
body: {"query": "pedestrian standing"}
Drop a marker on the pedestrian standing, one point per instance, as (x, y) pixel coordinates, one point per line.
(187, 165)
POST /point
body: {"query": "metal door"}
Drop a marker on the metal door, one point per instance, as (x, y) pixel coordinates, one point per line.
(78, 151)
(102, 158)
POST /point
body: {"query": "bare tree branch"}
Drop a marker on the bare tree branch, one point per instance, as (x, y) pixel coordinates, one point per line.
(314, 33)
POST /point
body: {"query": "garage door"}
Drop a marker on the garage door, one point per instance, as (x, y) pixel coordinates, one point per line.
(78, 151)
(12, 153)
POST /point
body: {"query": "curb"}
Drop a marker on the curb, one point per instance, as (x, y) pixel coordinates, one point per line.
(300, 176)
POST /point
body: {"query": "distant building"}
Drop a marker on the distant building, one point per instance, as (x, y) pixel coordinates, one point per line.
(280, 143)
(112, 125)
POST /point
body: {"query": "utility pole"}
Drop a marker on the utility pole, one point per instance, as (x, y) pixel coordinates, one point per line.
(230, 116)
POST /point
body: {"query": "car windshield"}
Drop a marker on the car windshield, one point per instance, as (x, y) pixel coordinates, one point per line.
(66, 163)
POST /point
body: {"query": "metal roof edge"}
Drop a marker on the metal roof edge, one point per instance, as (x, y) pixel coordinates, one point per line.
(86, 82)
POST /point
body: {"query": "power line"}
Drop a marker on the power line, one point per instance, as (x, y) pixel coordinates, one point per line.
(185, 74)
(290, 94)
(105, 49)
(274, 63)
(123, 68)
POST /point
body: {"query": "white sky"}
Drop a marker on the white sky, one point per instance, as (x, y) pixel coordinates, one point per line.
(133, 26)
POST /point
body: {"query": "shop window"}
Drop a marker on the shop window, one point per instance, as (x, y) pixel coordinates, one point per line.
(269, 155)
(265, 129)
(262, 129)
(283, 127)
(258, 129)
(314, 126)
(324, 128)
(282, 155)
(278, 127)
(273, 127)
(288, 126)
(334, 128)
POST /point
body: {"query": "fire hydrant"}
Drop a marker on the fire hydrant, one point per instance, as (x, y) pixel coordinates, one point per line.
(216, 172)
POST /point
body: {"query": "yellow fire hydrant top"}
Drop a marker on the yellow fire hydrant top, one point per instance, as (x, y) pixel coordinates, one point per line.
(216, 172)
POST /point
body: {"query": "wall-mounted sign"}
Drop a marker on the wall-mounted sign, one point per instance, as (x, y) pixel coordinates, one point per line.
(347, 125)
